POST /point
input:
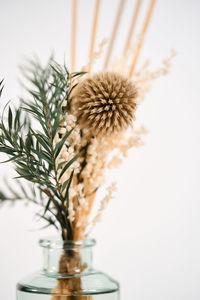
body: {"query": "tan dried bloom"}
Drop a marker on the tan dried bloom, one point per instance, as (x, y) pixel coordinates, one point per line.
(104, 103)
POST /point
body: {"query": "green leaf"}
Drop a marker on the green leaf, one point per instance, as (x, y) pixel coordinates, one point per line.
(69, 163)
(1, 87)
(60, 165)
(48, 219)
(10, 159)
(67, 190)
(61, 143)
(10, 117)
(21, 142)
(28, 142)
(42, 141)
(7, 150)
(47, 206)
(55, 126)
(42, 155)
(17, 121)
(33, 110)
(64, 185)
(22, 172)
(76, 74)
(6, 133)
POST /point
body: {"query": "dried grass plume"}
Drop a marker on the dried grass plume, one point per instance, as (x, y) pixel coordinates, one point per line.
(104, 103)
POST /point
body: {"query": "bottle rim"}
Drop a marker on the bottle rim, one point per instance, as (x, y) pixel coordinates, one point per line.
(56, 243)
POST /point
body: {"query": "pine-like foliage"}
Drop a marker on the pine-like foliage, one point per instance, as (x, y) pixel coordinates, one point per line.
(30, 144)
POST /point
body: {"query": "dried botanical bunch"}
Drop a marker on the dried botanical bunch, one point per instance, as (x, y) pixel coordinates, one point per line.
(84, 128)
(63, 163)
(104, 103)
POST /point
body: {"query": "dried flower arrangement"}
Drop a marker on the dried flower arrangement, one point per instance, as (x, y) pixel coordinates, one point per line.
(74, 127)
(79, 127)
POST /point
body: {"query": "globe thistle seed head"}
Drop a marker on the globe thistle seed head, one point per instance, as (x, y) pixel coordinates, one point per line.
(104, 103)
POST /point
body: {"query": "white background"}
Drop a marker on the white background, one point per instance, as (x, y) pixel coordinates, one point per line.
(149, 238)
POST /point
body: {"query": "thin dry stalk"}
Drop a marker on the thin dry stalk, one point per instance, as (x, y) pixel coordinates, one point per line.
(71, 284)
(132, 26)
(79, 232)
(114, 32)
(142, 35)
(94, 29)
(74, 34)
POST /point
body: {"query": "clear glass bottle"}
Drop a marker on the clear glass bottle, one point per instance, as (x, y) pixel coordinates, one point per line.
(67, 274)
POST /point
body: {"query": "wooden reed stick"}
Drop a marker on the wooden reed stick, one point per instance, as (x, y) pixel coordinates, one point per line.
(141, 38)
(74, 33)
(133, 24)
(114, 32)
(94, 29)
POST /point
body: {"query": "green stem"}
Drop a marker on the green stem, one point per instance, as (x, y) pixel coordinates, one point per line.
(58, 185)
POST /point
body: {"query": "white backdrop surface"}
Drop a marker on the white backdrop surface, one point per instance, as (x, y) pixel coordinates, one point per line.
(149, 238)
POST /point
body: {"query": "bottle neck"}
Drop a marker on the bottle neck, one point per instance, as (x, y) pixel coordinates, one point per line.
(66, 258)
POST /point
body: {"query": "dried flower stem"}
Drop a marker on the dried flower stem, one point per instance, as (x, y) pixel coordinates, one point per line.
(104, 202)
(74, 33)
(142, 35)
(114, 32)
(94, 29)
(79, 233)
(67, 265)
(132, 26)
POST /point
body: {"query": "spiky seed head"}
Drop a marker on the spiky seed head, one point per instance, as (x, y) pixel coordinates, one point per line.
(104, 103)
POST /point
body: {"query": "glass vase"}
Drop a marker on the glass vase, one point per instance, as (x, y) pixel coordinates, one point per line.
(67, 274)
